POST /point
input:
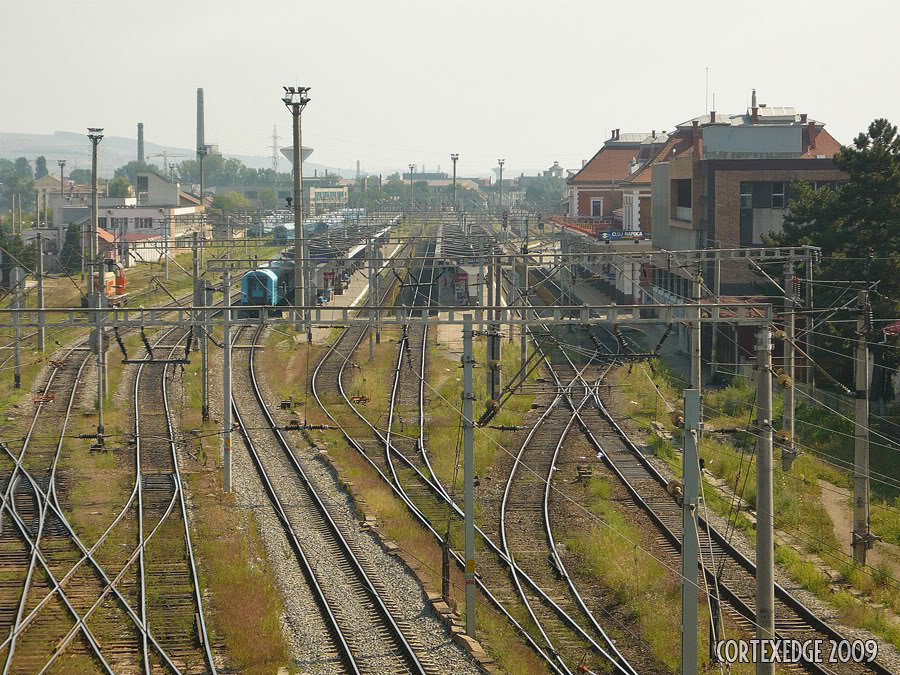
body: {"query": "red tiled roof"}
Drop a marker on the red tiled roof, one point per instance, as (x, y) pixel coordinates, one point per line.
(645, 173)
(825, 145)
(103, 235)
(609, 164)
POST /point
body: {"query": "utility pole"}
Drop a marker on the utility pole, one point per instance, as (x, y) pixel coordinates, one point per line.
(42, 332)
(492, 327)
(96, 135)
(202, 152)
(204, 353)
(696, 374)
(469, 472)
(412, 170)
(788, 453)
(523, 337)
(371, 299)
(226, 370)
(689, 545)
(717, 291)
(765, 536)
(37, 209)
(198, 291)
(296, 99)
(861, 537)
(166, 251)
(62, 191)
(454, 157)
(17, 281)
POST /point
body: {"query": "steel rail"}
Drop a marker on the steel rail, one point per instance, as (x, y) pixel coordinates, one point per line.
(441, 492)
(204, 635)
(405, 499)
(803, 612)
(409, 653)
(306, 566)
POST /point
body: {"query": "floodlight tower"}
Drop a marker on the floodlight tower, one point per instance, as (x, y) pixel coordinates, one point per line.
(412, 169)
(296, 99)
(96, 135)
(454, 157)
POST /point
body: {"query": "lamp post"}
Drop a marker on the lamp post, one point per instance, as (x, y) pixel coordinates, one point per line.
(295, 99)
(96, 135)
(501, 162)
(412, 169)
(454, 157)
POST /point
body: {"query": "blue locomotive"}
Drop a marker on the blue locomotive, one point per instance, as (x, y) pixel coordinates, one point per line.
(270, 287)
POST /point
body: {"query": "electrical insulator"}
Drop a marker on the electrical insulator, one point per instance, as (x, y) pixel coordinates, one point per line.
(779, 334)
(493, 405)
(782, 437)
(784, 381)
(675, 488)
(494, 365)
(677, 418)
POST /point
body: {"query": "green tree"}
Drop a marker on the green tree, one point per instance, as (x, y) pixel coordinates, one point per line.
(118, 187)
(16, 178)
(23, 168)
(857, 224)
(546, 193)
(70, 256)
(40, 167)
(265, 199)
(231, 202)
(130, 171)
(80, 176)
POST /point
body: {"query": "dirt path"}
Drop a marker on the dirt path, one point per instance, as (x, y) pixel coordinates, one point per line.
(838, 503)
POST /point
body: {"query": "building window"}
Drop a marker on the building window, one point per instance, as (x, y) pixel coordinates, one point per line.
(101, 221)
(596, 208)
(778, 195)
(683, 192)
(746, 195)
(142, 184)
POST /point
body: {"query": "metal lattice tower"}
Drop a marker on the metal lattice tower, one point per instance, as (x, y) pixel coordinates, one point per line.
(275, 149)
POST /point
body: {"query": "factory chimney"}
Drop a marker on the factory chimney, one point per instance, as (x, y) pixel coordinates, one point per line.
(140, 156)
(200, 136)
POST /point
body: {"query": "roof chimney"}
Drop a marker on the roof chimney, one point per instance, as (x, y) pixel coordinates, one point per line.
(695, 138)
(803, 117)
(140, 147)
(712, 116)
(812, 133)
(583, 162)
(617, 133)
(754, 109)
(200, 135)
(653, 133)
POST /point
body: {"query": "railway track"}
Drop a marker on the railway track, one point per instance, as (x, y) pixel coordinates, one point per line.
(365, 635)
(59, 595)
(405, 466)
(736, 573)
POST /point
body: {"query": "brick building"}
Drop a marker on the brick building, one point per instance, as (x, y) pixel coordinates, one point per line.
(725, 180)
(594, 192)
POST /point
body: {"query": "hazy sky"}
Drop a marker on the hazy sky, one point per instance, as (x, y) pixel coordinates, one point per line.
(395, 82)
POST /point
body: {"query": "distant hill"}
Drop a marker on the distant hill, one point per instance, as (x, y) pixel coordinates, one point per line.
(117, 150)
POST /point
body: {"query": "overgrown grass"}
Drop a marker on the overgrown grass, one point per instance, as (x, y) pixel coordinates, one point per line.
(614, 553)
(798, 506)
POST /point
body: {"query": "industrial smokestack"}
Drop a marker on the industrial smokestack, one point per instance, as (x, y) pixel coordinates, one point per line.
(200, 135)
(140, 156)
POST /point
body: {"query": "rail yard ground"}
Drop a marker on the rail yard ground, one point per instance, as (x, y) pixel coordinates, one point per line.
(610, 581)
